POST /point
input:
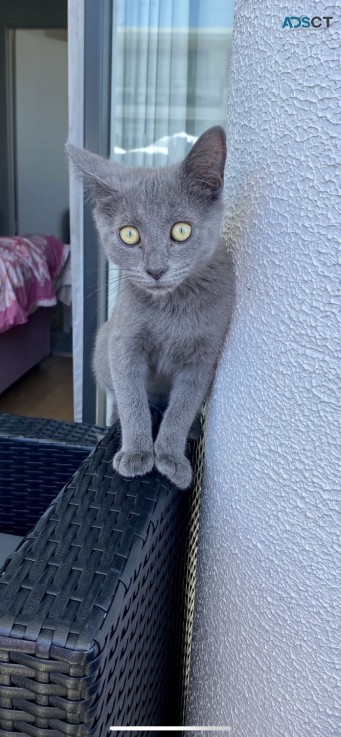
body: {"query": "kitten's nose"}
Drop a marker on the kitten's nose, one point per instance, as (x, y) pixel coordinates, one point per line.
(155, 274)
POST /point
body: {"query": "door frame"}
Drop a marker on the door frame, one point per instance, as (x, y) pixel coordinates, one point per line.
(97, 86)
(17, 14)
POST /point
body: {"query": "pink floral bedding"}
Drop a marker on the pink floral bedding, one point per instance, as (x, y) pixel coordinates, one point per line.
(29, 267)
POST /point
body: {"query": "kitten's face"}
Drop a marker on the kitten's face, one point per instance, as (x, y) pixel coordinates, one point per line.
(159, 225)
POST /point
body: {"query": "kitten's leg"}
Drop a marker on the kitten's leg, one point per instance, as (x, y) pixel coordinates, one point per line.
(129, 372)
(101, 368)
(188, 392)
(114, 411)
(100, 358)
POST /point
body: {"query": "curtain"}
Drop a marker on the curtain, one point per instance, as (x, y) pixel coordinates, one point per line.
(149, 80)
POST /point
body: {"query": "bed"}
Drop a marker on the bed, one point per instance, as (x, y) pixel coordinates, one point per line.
(29, 268)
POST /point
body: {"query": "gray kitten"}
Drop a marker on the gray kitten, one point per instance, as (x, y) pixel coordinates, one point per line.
(162, 227)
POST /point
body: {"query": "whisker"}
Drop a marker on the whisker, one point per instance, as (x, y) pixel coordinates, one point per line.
(97, 289)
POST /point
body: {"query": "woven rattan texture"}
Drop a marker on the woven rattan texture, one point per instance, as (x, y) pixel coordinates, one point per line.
(91, 609)
(37, 458)
(71, 433)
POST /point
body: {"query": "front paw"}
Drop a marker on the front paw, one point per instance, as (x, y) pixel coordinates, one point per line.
(133, 463)
(177, 468)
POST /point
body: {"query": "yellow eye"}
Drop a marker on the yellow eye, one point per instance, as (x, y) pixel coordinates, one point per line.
(181, 231)
(129, 235)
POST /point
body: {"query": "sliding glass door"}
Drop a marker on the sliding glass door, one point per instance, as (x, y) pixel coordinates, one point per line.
(155, 77)
(169, 81)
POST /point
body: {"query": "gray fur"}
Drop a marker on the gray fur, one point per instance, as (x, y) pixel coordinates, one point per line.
(164, 336)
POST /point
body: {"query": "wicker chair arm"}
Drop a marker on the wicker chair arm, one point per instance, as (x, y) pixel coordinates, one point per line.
(92, 605)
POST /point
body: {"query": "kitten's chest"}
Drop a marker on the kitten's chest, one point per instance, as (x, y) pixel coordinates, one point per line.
(178, 331)
(170, 341)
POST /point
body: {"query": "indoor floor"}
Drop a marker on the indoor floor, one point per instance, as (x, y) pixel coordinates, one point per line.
(45, 391)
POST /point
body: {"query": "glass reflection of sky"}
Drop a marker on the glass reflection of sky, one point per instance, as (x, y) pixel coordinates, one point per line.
(195, 14)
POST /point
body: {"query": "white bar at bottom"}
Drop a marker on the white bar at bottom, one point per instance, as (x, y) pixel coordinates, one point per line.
(170, 729)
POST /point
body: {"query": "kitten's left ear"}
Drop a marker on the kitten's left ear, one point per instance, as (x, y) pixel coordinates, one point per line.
(204, 165)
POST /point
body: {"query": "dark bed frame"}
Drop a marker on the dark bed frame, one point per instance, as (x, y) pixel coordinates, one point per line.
(23, 346)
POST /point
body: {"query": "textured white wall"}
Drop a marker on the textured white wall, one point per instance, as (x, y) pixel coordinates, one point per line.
(267, 623)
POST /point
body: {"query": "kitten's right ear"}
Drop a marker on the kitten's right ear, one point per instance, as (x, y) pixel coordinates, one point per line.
(96, 172)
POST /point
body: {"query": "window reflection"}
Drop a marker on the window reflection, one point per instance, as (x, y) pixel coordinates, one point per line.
(170, 68)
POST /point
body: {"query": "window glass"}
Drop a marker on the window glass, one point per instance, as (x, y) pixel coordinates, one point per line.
(170, 64)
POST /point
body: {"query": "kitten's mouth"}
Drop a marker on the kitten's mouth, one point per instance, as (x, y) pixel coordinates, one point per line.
(160, 288)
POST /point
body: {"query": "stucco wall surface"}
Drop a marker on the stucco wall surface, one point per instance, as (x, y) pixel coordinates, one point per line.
(267, 622)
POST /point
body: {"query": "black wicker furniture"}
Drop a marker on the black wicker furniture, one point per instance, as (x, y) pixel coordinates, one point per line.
(96, 603)
(37, 458)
